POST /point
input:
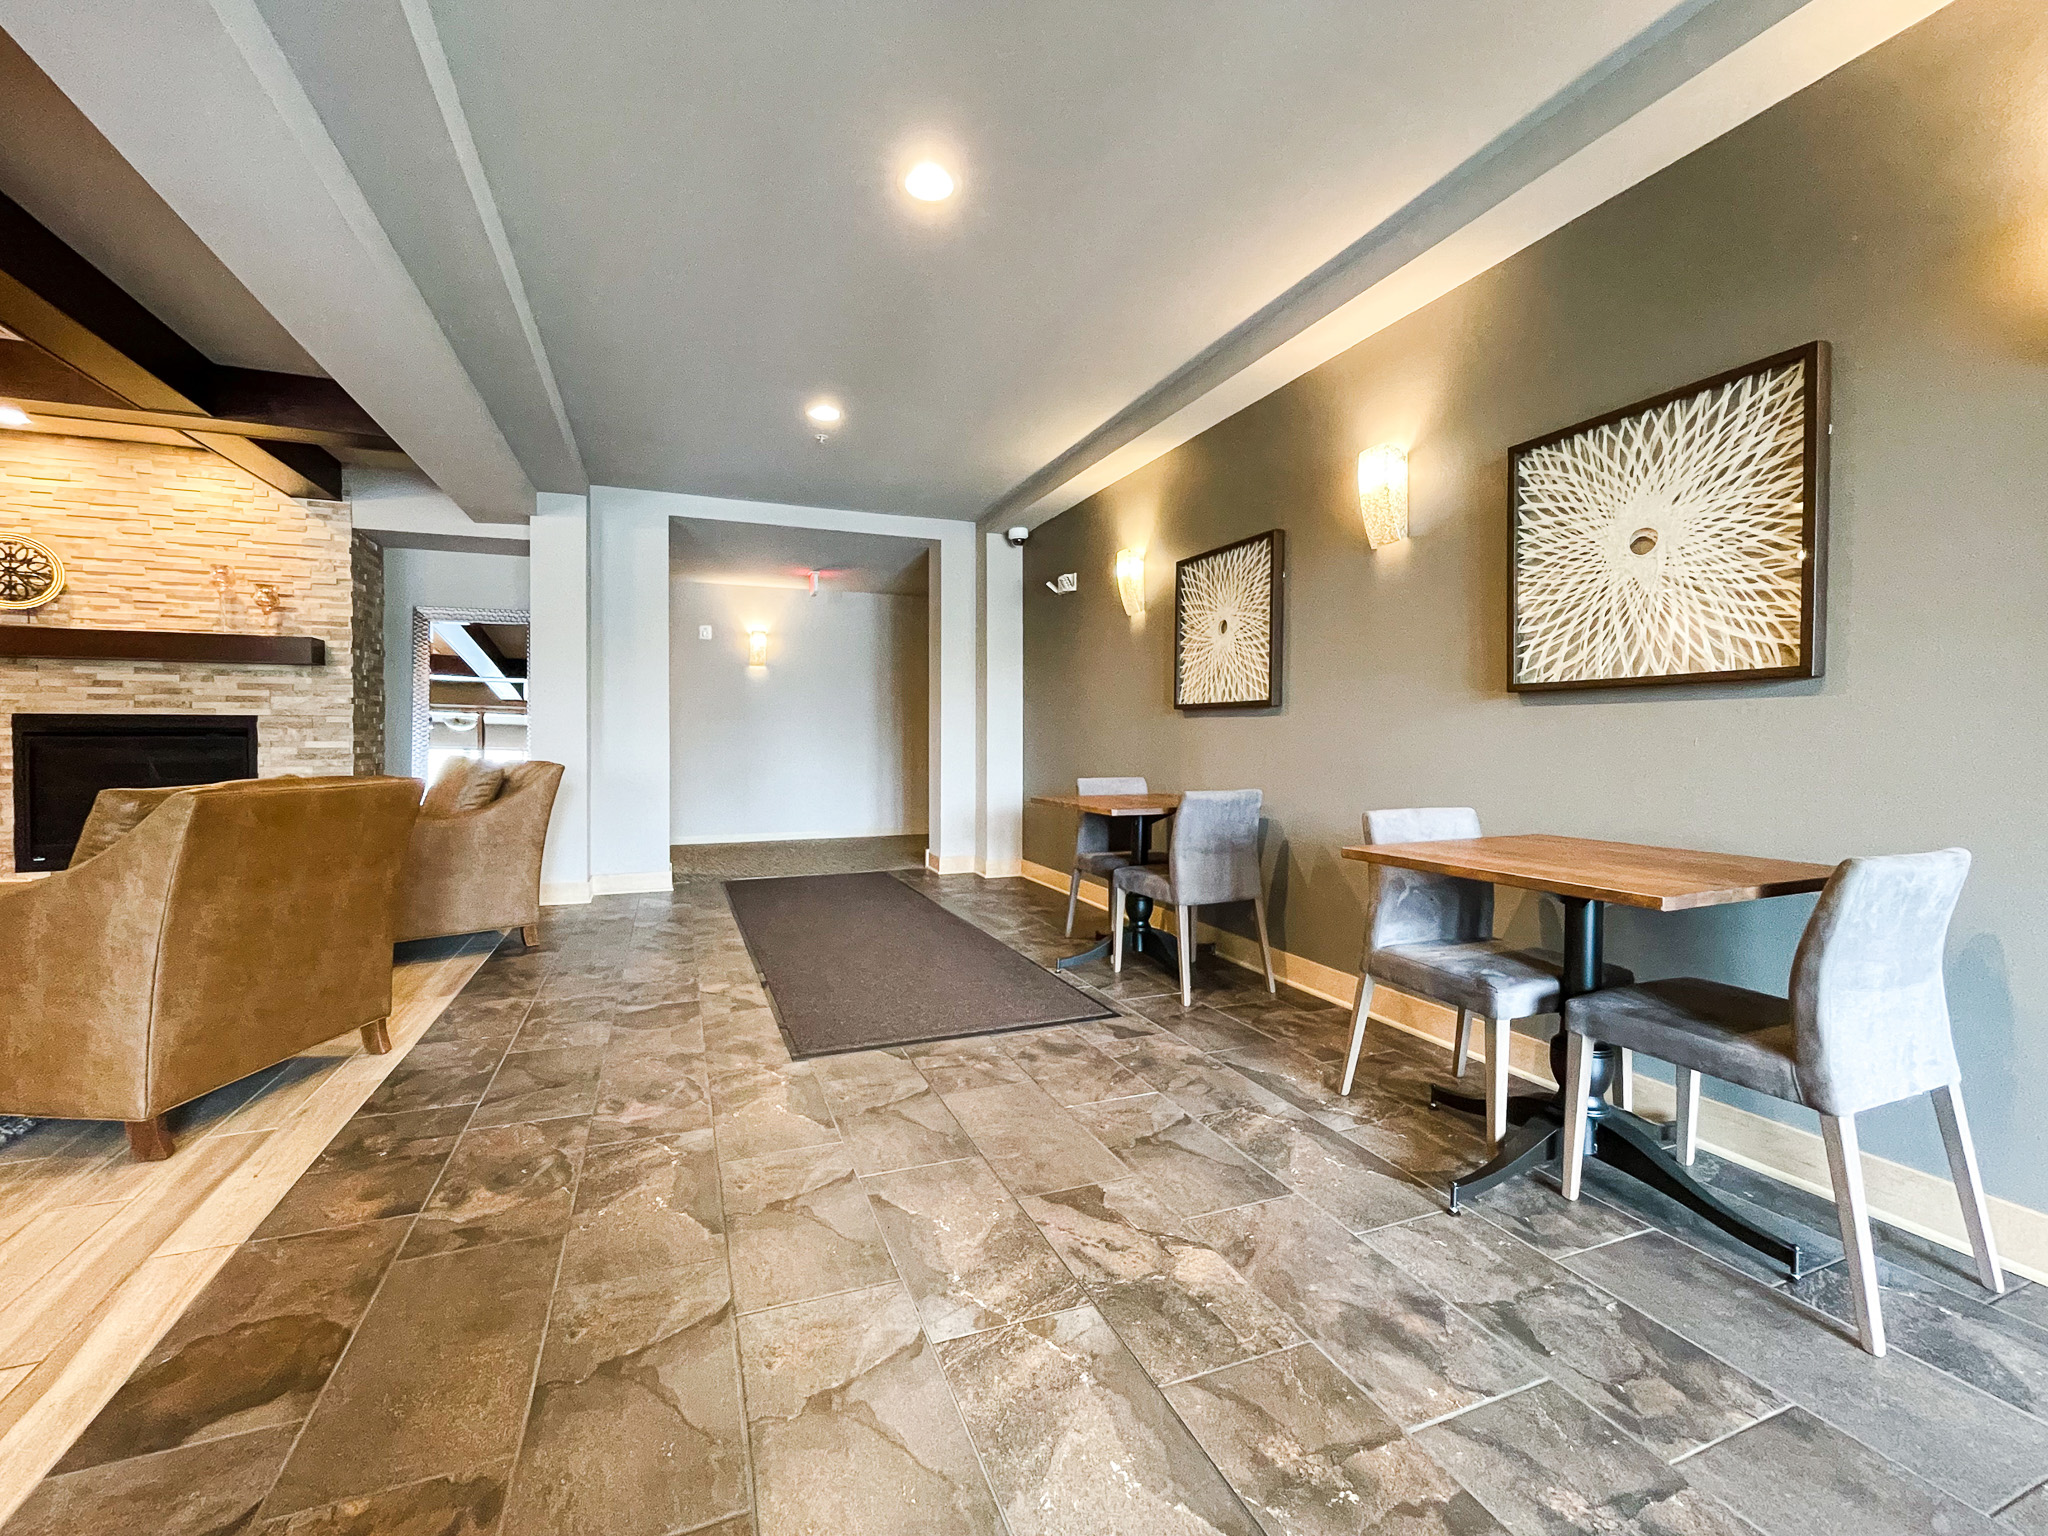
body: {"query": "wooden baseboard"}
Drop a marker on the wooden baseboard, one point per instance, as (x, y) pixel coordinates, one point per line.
(1909, 1198)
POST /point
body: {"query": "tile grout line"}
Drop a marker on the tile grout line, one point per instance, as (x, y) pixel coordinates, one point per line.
(1785, 1407)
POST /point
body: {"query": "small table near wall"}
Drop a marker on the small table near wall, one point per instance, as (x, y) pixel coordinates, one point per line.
(1586, 875)
(1140, 937)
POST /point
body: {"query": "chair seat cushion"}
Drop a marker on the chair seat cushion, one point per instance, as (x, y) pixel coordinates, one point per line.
(1151, 880)
(1491, 977)
(1102, 863)
(1727, 1032)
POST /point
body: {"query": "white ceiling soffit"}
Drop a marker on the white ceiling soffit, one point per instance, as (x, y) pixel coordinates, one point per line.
(1719, 66)
(49, 151)
(198, 96)
(766, 555)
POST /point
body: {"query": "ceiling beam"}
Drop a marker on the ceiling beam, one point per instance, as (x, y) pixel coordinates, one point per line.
(59, 413)
(198, 97)
(1710, 67)
(61, 306)
(484, 663)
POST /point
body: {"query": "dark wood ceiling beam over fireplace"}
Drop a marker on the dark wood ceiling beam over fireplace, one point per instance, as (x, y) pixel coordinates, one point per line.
(90, 361)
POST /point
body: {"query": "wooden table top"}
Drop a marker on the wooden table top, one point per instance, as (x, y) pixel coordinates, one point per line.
(1631, 874)
(1115, 805)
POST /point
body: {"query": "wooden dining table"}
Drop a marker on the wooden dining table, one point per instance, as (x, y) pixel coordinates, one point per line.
(1587, 875)
(1140, 937)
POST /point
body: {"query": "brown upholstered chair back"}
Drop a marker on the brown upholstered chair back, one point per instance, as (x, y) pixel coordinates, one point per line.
(469, 871)
(232, 926)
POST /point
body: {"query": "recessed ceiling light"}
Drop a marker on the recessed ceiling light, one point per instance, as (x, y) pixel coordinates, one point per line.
(929, 182)
(824, 413)
(13, 416)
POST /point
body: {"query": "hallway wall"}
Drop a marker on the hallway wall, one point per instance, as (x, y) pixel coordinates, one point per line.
(827, 740)
(1897, 209)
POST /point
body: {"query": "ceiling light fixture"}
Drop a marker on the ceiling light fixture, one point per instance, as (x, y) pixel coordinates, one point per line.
(929, 182)
(13, 416)
(825, 414)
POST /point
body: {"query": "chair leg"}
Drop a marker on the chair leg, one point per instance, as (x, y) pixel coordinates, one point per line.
(529, 935)
(1073, 897)
(1962, 1165)
(1497, 1037)
(377, 1036)
(1845, 1162)
(1578, 1099)
(149, 1141)
(1116, 926)
(1184, 920)
(1461, 1051)
(1624, 1085)
(1358, 1018)
(1688, 1115)
(1265, 949)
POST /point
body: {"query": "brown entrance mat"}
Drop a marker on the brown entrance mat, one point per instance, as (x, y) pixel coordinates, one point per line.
(852, 962)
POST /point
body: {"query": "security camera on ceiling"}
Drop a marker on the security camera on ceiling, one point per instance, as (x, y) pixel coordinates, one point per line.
(1017, 535)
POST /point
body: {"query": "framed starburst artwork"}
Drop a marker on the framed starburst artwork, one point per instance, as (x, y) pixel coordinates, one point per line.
(1226, 626)
(1678, 540)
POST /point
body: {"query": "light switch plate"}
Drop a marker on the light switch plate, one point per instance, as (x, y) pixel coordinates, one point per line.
(703, 631)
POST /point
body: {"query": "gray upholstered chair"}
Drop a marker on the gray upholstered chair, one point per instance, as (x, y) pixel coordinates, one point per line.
(1866, 1025)
(1104, 843)
(1214, 859)
(1432, 936)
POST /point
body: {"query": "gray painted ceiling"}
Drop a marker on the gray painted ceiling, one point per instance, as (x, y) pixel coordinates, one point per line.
(650, 230)
(759, 554)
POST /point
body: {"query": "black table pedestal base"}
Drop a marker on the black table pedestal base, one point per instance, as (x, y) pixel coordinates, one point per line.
(1622, 1140)
(1140, 938)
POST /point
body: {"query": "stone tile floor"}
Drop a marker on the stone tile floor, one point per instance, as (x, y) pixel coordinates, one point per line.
(599, 1258)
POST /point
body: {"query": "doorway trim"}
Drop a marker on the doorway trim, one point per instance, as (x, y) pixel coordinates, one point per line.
(423, 622)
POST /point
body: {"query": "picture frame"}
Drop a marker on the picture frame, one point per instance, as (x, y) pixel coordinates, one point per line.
(1227, 625)
(1680, 539)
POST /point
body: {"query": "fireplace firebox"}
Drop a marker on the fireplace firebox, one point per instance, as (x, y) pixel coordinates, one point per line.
(62, 762)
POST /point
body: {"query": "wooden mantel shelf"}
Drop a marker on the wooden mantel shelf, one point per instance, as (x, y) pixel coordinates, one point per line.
(59, 641)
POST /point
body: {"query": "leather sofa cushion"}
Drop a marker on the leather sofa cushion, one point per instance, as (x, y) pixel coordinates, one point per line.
(464, 785)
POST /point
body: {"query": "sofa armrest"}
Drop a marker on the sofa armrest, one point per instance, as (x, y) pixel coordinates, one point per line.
(78, 953)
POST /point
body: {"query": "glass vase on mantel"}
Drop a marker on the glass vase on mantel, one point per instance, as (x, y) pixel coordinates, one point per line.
(222, 579)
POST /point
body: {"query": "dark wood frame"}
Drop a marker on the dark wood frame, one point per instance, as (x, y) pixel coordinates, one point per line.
(1277, 537)
(1813, 529)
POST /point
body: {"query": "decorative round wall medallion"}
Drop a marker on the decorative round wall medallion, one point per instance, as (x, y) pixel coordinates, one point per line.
(30, 573)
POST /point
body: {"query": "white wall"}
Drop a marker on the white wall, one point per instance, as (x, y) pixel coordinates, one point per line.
(433, 578)
(628, 693)
(826, 740)
(558, 687)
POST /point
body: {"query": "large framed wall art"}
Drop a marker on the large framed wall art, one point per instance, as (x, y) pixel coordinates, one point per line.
(1226, 625)
(1681, 539)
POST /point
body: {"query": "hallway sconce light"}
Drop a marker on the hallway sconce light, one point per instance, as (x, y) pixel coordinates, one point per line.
(757, 647)
(1383, 494)
(1130, 580)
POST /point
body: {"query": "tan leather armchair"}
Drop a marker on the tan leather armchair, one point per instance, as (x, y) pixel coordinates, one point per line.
(474, 863)
(198, 936)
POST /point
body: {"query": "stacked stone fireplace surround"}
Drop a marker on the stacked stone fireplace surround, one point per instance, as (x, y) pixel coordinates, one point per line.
(140, 528)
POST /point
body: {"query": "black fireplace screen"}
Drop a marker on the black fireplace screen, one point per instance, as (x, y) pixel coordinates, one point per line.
(62, 762)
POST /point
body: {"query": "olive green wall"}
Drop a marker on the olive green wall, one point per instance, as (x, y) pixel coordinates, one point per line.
(1898, 209)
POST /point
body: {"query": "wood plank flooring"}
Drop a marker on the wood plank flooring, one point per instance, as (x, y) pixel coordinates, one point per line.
(99, 1254)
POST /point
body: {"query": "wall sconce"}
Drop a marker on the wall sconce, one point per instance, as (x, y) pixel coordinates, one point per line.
(1130, 580)
(757, 647)
(1383, 494)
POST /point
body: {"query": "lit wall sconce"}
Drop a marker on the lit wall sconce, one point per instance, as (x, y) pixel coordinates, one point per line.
(757, 647)
(1383, 494)
(1130, 580)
